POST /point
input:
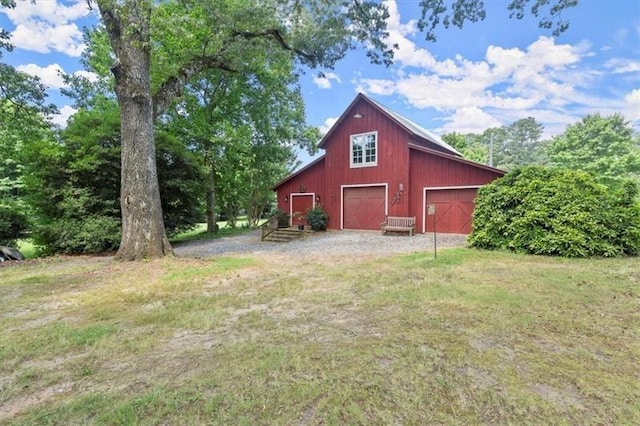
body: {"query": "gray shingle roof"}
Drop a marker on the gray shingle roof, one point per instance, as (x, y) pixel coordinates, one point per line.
(414, 127)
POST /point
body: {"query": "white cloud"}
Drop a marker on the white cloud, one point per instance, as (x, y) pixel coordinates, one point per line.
(509, 83)
(43, 38)
(91, 76)
(632, 110)
(323, 80)
(65, 113)
(376, 86)
(47, 26)
(548, 54)
(51, 75)
(51, 11)
(327, 125)
(468, 120)
(406, 53)
(622, 65)
(394, 24)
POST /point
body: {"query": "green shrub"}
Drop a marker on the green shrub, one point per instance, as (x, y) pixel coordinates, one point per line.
(13, 224)
(560, 212)
(78, 223)
(93, 234)
(318, 218)
(74, 185)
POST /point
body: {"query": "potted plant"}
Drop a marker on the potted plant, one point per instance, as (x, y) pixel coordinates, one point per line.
(300, 217)
(318, 218)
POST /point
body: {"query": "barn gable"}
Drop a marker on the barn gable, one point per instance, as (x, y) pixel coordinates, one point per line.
(418, 134)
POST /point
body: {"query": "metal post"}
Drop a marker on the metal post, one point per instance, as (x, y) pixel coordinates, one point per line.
(431, 211)
(435, 239)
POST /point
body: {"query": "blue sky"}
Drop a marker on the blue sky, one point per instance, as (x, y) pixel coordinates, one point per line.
(487, 74)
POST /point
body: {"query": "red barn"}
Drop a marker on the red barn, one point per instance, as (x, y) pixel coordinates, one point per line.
(379, 163)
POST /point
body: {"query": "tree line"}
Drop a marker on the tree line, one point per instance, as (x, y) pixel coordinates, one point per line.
(60, 186)
(605, 146)
(217, 151)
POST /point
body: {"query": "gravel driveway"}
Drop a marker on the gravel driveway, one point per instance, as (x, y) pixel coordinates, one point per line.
(330, 243)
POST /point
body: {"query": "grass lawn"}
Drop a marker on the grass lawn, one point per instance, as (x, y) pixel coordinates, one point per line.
(472, 337)
(200, 231)
(27, 249)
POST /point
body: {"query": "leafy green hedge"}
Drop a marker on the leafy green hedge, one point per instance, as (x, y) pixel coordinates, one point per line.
(73, 185)
(92, 234)
(560, 212)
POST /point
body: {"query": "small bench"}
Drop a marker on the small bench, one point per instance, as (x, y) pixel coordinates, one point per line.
(399, 224)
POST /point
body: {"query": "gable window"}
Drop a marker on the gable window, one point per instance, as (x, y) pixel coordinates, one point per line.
(364, 150)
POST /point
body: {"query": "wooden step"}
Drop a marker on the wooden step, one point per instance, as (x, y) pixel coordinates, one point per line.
(284, 235)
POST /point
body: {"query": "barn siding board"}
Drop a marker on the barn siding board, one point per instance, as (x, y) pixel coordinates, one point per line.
(437, 171)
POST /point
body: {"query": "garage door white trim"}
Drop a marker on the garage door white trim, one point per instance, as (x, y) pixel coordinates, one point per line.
(364, 185)
(437, 188)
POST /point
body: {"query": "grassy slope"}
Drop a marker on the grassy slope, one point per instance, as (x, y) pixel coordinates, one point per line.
(472, 337)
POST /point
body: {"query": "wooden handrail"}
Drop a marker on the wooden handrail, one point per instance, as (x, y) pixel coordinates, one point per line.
(271, 225)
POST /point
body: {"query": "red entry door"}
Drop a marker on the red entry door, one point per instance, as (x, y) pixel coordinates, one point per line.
(300, 205)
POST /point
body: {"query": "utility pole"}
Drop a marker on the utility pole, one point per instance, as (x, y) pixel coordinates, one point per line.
(491, 150)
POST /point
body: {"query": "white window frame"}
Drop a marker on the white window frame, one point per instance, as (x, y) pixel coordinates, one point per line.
(364, 151)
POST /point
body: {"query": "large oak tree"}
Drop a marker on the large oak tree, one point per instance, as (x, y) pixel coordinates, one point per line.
(197, 36)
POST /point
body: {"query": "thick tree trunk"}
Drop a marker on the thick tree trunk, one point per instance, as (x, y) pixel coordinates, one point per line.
(143, 233)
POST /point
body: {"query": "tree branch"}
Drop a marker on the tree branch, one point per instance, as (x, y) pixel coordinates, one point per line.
(112, 24)
(173, 87)
(278, 37)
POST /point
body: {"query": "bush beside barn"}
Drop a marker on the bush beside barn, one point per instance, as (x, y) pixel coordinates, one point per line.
(545, 211)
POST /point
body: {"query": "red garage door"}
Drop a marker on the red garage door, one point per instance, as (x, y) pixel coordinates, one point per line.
(454, 210)
(364, 207)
